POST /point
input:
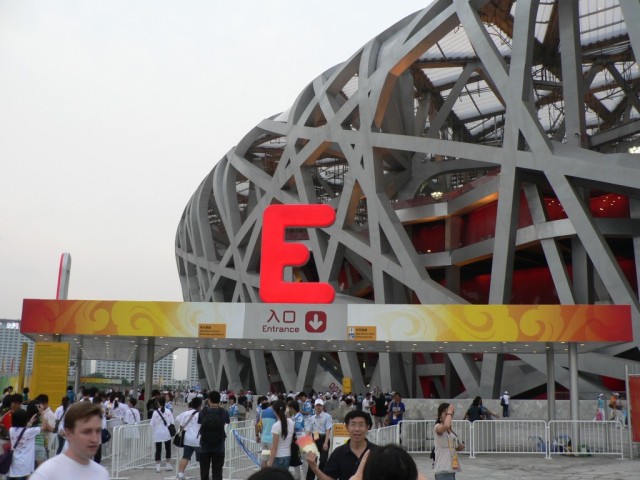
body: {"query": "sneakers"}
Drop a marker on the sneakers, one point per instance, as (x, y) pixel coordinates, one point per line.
(180, 476)
(157, 468)
(168, 467)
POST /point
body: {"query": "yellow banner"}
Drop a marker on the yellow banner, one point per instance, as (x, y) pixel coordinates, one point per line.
(346, 385)
(495, 323)
(50, 370)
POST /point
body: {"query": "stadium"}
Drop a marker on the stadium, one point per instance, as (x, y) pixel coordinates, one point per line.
(474, 153)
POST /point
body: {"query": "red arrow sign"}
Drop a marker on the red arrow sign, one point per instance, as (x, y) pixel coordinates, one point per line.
(315, 321)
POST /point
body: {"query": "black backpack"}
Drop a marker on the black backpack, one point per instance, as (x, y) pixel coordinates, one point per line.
(212, 428)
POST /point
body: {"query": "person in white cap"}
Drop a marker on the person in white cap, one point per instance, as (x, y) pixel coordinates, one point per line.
(319, 427)
(504, 401)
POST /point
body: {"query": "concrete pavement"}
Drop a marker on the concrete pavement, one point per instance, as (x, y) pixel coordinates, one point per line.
(485, 467)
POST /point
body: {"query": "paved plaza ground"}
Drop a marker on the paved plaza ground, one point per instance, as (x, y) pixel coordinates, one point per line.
(488, 467)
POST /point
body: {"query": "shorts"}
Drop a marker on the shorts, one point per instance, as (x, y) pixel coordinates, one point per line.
(266, 451)
(188, 452)
(445, 476)
(282, 462)
(41, 453)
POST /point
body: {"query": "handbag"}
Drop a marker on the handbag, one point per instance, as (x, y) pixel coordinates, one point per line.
(171, 427)
(105, 435)
(56, 427)
(296, 460)
(178, 440)
(7, 457)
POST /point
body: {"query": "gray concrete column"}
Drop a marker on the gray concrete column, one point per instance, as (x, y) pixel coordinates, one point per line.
(574, 392)
(148, 377)
(307, 372)
(286, 368)
(207, 362)
(78, 369)
(551, 385)
(259, 369)
(136, 370)
(384, 370)
(232, 368)
(351, 369)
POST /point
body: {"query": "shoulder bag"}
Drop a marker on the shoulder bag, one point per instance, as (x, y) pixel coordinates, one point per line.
(7, 457)
(178, 440)
(57, 425)
(171, 427)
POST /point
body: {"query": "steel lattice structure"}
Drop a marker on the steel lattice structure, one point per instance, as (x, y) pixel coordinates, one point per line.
(460, 105)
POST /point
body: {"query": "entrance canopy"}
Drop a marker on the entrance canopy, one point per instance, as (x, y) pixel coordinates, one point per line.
(113, 330)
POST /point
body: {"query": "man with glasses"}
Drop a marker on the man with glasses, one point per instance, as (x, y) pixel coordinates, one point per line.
(345, 459)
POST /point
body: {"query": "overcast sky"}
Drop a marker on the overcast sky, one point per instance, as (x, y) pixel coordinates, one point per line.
(112, 112)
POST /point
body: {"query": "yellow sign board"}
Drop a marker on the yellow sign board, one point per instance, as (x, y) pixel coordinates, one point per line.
(362, 333)
(346, 385)
(50, 370)
(212, 330)
(340, 435)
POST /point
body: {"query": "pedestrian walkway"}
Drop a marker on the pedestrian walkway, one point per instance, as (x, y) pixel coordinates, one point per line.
(488, 467)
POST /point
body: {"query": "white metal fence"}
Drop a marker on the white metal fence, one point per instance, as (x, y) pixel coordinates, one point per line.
(585, 438)
(509, 436)
(385, 435)
(132, 447)
(242, 451)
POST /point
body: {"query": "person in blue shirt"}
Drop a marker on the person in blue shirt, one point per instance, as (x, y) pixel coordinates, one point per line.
(396, 409)
(306, 407)
(267, 419)
(299, 467)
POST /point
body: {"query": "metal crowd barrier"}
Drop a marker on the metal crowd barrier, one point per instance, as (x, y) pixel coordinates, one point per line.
(585, 438)
(417, 436)
(107, 448)
(513, 437)
(240, 446)
(132, 447)
(509, 437)
(385, 435)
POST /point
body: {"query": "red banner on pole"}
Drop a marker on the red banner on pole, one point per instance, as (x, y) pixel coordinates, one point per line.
(634, 406)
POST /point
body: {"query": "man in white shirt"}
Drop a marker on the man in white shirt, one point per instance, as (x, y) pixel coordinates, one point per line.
(48, 414)
(83, 429)
(319, 427)
(504, 401)
(366, 403)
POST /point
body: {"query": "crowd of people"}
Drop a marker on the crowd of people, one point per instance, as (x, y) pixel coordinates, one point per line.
(30, 426)
(280, 420)
(80, 422)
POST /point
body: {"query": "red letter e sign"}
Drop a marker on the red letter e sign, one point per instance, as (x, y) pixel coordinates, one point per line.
(278, 254)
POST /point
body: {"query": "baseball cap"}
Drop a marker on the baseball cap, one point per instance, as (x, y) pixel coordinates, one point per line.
(319, 402)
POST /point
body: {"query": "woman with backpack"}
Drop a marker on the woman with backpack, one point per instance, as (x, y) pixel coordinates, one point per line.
(160, 421)
(282, 431)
